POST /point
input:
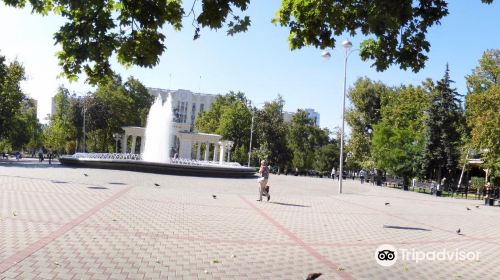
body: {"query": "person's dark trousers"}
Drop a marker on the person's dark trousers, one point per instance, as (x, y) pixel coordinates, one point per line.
(50, 159)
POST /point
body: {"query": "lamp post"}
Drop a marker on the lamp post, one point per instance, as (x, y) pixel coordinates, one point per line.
(84, 111)
(249, 104)
(347, 46)
(116, 136)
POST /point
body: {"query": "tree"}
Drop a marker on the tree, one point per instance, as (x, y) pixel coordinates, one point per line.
(94, 31)
(26, 130)
(271, 134)
(304, 138)
(445, 126)
(61, 131)
(483, 107)
(11, 95)
(367, 98)
(396, 30)
(132, 30)
(327, 157)
(231, 118)
(399, 138)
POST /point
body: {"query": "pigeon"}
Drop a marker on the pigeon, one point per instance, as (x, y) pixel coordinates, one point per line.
(477, 206)
(468, 209)
(214, 196)
(458, 231)
(313, 276)
(157, 184)
(85, 174)
(387, 203)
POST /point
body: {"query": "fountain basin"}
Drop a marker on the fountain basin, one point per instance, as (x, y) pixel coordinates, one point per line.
(176, 168)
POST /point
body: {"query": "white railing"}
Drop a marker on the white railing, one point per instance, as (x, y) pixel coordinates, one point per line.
(180, 161)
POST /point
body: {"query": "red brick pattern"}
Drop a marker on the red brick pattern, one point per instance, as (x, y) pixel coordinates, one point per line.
(57, 223)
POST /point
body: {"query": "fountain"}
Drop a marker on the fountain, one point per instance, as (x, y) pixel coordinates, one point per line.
(156, 156)
(158, 131)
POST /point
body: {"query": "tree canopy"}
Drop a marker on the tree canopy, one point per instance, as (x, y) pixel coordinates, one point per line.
(94, 31)
(483, 107)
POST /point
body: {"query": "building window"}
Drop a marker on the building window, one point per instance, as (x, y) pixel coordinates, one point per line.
(202, 108)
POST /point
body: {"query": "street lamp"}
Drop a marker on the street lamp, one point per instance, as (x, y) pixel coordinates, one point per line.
(326, 55)
(116, 136)
(249, 104)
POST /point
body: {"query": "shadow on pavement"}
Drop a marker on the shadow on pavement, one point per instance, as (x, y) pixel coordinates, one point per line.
(407, 228)
(289, 204)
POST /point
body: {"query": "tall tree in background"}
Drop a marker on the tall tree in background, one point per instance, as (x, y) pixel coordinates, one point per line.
(11, 95)
(444, 127)
(367, 98)
(399, 138)
(271, 132)
(304, 139)
(61, 133)
(94, 31)
(483, 110)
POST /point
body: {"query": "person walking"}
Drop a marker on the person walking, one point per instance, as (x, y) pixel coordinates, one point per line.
(333, 173)
(40, 154)
(264, 177)
(49, 154)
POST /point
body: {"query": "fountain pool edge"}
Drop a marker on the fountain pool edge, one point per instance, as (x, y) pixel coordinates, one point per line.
(160, 168)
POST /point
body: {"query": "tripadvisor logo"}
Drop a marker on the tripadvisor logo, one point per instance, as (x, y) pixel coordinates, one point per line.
(387, 255)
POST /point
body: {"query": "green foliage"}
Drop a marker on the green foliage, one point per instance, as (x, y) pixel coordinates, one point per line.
(396, 30)
(231, 118)
(94, 31)
(444, 130)
(271, 132)
(483, 107)
(61, 128)
(398, 139)
(304, 139)
(11, 95)
(367, 97)
(327, 157)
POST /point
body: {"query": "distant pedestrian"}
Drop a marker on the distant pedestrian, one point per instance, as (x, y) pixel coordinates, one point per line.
(40, 155)
(49, 154)
(264, 177)
(333, 173)
(362, 176)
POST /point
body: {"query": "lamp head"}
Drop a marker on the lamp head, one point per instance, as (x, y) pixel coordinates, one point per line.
(347, 44)
(326, 55)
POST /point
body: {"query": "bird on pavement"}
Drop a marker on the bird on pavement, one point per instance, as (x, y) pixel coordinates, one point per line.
(458, 231)
(387, 203)
(477, 206)
(85, 174)
(313, 276)
(468, 209)
(156, 184)
(214, 196)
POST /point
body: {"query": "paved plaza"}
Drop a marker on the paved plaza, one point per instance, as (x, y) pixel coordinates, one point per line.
(68, 223)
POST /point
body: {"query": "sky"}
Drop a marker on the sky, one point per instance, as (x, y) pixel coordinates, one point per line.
(258, 62)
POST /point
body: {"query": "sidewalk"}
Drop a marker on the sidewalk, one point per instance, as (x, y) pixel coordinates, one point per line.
(57, 223)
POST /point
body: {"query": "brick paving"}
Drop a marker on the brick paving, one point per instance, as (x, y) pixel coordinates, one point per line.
(57, 223)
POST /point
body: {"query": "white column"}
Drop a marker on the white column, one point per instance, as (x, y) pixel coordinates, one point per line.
(207, 150)
(143, 142)
(198, 150)
(185, 148)
(216, 151)
(228, 154)
(132, 149)
(222, 151)
(124, 143)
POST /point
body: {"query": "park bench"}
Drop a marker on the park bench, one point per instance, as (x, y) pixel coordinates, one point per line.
(424, 186)
(392, 182)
